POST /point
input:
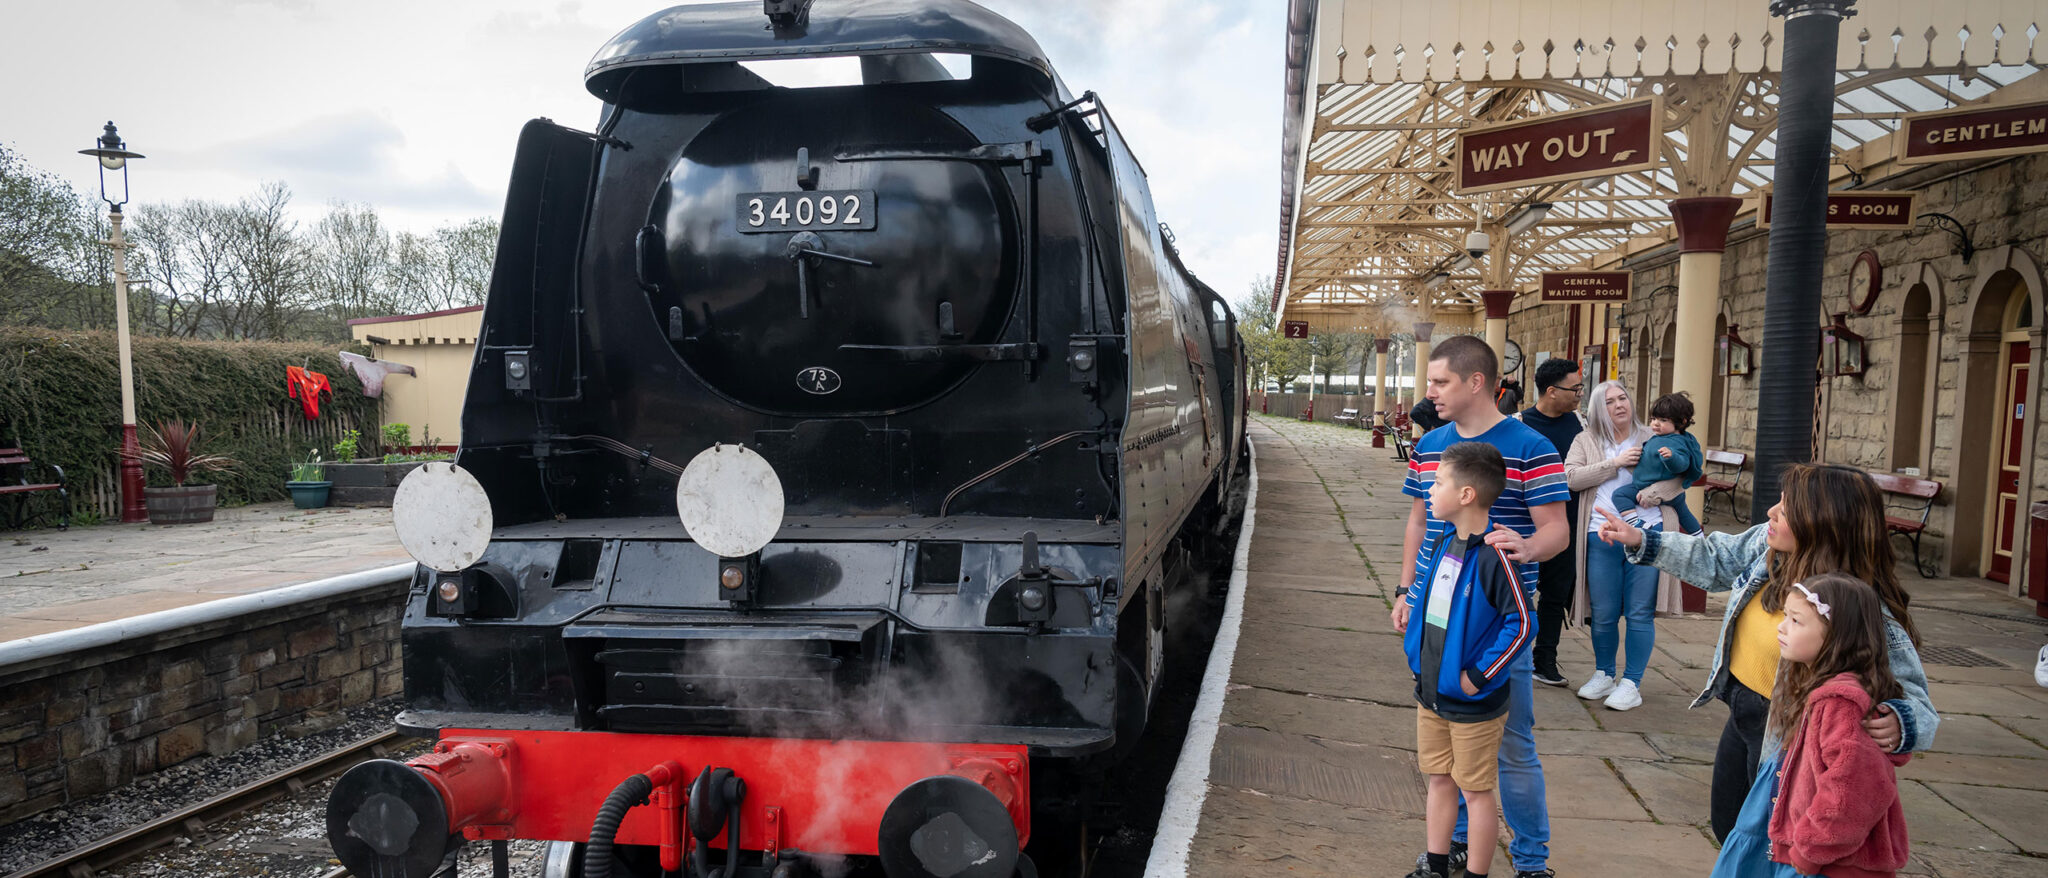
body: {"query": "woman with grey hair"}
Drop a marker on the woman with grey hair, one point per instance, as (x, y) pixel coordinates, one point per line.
(1600, 461)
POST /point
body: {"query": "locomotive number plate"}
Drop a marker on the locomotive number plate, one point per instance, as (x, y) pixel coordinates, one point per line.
(844, 210)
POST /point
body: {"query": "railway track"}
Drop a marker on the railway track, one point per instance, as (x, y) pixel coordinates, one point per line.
(193, 821)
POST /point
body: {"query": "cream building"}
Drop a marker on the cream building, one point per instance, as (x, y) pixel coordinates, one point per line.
(440, 345)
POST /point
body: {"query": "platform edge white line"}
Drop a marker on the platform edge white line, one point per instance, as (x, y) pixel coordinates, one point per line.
(15, 654)
(1189, 786)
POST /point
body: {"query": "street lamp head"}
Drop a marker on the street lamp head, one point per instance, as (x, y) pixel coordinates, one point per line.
(113, 156)
(1528, 217)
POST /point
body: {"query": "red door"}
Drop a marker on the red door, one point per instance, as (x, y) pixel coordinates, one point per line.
(2010, 455)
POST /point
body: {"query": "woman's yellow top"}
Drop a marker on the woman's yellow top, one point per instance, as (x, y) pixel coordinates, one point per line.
(1753, 656)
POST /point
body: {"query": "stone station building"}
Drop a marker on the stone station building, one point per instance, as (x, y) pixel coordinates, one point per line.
(1930, 329)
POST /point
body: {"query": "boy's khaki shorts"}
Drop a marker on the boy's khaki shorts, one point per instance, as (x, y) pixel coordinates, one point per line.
(1468, 752)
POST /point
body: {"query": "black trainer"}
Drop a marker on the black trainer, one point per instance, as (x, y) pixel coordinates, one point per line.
(1549, 676)
(1539, 873)
(1458, 857)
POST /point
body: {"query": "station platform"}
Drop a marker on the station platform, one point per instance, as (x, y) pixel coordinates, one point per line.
(1313, 769)
(52, 580)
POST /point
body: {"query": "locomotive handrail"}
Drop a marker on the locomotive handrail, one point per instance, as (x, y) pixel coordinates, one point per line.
(943, 504)
(930, 353)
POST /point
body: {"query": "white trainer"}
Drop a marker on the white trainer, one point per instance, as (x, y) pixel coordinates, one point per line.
(2041, 668)
(1598, 687)
(1626, 696)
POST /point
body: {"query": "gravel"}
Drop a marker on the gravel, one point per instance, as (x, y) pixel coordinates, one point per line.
(58, 831)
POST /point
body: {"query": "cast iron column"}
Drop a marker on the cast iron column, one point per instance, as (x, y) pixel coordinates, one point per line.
(1806, 109)
(132, 507)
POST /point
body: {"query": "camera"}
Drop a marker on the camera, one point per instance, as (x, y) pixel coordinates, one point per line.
(1476, 245)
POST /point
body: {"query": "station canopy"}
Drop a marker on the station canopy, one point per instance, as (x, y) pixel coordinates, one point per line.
(1378, 91)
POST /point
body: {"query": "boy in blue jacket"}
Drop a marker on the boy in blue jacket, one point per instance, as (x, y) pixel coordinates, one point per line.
(1470, 619)
(1670, 453)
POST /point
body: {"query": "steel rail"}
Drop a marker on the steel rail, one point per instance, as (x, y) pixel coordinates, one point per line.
(128, 844)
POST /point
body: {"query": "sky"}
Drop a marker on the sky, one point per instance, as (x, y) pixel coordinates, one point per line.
(414, 107)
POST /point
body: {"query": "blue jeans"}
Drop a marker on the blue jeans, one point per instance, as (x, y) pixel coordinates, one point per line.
(1620, 590)
(1520, 786)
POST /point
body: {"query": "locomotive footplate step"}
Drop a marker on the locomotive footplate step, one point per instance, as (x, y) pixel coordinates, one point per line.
(654, 624)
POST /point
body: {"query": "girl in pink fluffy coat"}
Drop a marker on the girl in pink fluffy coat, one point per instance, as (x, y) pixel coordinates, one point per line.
(1828, 805)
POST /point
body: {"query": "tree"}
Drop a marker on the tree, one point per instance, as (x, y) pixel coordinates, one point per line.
(273, 264)
(449, 268)
(1272, 356)
(352, 262)
(1329, 351)
(202, 268)
(183, 253)
(48, 249)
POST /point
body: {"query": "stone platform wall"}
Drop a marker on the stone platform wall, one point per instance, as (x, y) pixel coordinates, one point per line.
(76, 725)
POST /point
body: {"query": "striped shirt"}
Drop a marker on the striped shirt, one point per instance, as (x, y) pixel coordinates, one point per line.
(1535, 478)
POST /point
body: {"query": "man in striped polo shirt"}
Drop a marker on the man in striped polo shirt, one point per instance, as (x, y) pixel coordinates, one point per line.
(1529, 527)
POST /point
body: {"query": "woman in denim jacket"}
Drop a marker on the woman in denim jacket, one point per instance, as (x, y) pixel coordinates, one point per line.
(1830, 519)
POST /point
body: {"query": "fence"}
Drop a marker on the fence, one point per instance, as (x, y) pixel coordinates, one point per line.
(60, 398)
(1327, 405)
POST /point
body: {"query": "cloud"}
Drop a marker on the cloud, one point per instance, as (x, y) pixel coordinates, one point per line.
(1195, 87)
(356, 156)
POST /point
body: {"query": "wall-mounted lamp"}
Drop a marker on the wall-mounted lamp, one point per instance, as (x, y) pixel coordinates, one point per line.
(1841, 350)
(1735, 353)
(1954, 227)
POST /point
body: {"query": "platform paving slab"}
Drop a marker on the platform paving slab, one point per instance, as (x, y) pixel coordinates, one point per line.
(53, 580)
(1627, 790)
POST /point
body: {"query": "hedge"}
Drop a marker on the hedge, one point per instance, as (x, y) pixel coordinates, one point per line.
(60, 398)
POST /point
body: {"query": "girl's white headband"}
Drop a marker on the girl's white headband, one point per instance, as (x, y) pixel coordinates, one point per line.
(1814, 599)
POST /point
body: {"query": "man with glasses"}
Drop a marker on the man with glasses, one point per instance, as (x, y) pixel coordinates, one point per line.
(1556, 416)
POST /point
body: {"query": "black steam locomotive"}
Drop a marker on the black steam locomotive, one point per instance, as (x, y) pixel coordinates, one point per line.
(928, 326)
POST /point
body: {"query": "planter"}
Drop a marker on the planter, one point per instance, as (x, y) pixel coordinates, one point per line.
(190, 504)
(308, 495)
(366, 484)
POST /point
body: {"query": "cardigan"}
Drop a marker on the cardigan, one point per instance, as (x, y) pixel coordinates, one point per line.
(1837, 809)
(1586, 468)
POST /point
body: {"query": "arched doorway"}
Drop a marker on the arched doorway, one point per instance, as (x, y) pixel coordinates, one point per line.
(1910, 407)
(1998, 351)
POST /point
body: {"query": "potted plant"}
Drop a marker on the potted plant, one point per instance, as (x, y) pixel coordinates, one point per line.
(173, 446)
(308, 483)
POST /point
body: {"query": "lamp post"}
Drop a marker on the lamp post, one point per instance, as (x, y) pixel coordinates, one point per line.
(113, 156)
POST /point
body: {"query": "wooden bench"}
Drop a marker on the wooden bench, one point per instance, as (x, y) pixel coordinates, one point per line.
(1716, 485)
(1914, 499)
(16, 487)
(1349, 417)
